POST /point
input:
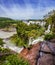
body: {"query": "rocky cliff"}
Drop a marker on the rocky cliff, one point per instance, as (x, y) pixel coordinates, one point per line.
(42, 53)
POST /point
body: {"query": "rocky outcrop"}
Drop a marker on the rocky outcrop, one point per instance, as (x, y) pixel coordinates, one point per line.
(42, 53)
(47, 54)
(31, 54)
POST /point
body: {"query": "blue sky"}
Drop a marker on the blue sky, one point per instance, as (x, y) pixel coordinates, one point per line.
(26, 9)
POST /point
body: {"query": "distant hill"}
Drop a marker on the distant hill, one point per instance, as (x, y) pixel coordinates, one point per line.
(6, 22)
(4, 19)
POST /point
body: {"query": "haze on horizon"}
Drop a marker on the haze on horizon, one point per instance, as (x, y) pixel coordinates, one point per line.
(26, 9)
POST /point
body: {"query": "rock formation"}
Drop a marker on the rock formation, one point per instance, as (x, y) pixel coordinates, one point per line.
(42, 53)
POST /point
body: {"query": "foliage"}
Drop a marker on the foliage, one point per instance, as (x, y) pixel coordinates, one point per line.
(3, 18)
(4, 50)
(6, 22)
(17, 40)
(1, 42)
(51, 20)
(24, 32)
(49, 36)
(14, 59)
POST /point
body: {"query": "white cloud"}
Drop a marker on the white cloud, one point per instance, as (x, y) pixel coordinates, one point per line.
(17, 12)
(27, 12)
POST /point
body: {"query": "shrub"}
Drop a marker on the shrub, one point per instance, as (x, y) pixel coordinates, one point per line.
(15, 60)
(49, 36)
(1, 42)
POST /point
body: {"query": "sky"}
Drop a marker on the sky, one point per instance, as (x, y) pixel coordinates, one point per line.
(26, 9)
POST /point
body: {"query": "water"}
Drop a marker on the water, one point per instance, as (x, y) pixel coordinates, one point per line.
(5, 36)
(12, 46)
(35, 41)
(48, 30)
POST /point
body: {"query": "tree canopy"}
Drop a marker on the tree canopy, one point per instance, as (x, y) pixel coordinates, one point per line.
(50, 19)
(24, 32)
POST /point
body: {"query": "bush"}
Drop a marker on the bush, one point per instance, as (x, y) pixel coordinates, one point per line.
(24, 32)
(1, 42)
(49, 36)
(4, 50)
(15, 60)
(18, 41)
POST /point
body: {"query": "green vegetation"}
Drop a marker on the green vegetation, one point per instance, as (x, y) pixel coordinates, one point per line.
(1, 42)
(16, 40)
(24, 32)
(49, 36)
(13, 59)
(6, 22)
(4, 50)
(7, 57)
(16, 60)
(51, 20)
(5, 19)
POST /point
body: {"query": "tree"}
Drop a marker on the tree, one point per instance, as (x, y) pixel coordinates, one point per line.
(21, 32)
(1, 42)
(50, 19)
